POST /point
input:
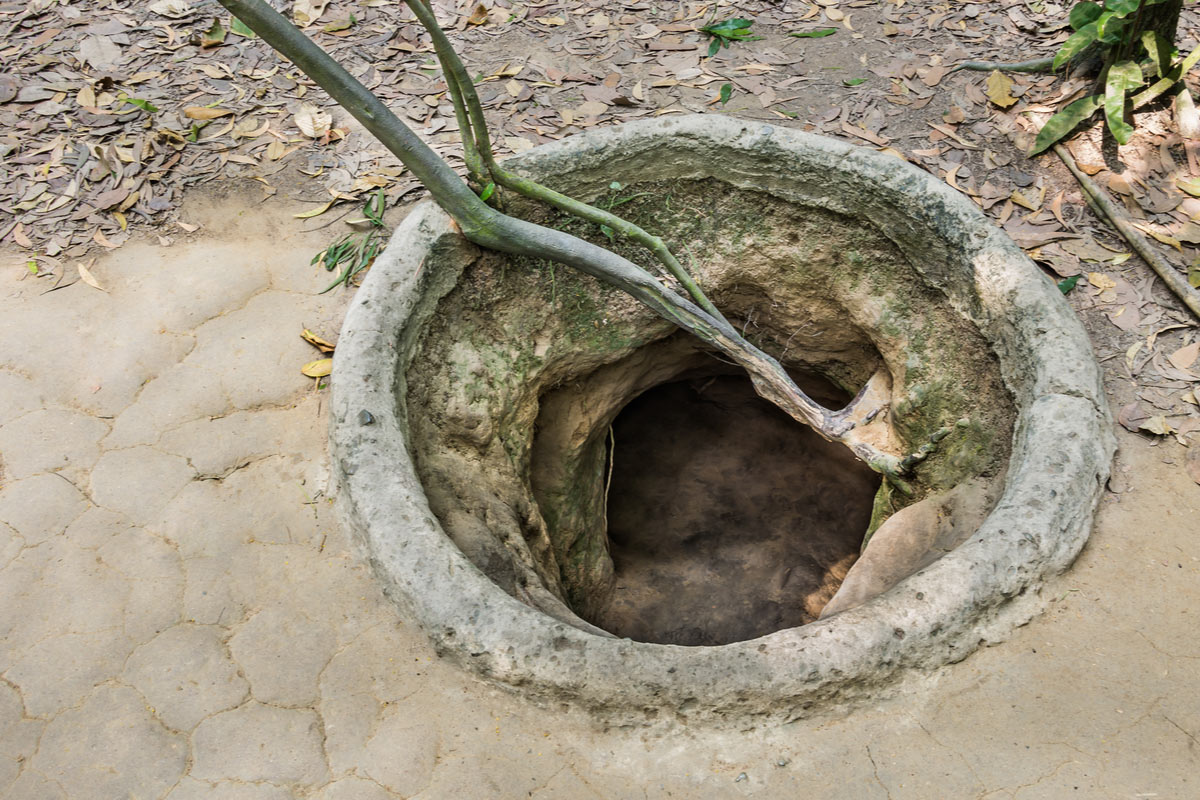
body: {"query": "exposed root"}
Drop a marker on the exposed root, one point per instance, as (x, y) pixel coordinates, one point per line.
(1109, 211)
(1037, 65)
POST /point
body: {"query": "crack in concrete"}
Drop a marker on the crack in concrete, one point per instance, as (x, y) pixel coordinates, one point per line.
(1184, 731)
(875, 770)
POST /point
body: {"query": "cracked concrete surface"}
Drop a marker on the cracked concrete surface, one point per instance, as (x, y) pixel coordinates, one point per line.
(180, 616)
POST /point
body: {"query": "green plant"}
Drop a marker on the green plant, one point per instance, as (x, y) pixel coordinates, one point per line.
(354, 252)
(736, 29)
(1131, 54)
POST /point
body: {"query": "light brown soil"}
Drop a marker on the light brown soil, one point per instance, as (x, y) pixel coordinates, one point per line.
(727, 519)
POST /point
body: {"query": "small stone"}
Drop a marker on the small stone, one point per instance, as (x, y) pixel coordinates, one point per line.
(741, 777)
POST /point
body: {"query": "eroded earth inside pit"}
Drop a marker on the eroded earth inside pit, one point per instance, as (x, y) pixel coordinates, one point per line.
(726, 519)
(610, 471)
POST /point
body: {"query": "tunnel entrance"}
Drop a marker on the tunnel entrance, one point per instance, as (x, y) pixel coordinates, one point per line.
(727, 520)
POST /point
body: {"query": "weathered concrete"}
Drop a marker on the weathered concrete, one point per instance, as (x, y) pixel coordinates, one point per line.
(1101, 693)
(1059, 463)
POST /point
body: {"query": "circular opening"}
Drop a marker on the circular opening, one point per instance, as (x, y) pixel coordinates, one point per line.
(475, 394)
(726, 519)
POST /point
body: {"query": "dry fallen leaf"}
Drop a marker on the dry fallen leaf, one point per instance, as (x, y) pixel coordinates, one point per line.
(1184, 357)
(479, 16)
(551, 20)
(1101, 281)
(312, 121)
(306, 12)
(172, 9)
(999, 89)
(316, 341)
(319, 368)
(1193, 462)
(204, 112)
(87, 277)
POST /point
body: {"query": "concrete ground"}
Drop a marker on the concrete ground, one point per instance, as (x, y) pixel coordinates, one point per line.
(181, 617)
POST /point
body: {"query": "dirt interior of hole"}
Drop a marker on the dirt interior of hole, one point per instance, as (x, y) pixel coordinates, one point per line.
(727, 520)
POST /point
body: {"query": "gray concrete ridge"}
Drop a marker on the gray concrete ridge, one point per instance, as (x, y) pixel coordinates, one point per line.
(1057, 472)
(182, 617)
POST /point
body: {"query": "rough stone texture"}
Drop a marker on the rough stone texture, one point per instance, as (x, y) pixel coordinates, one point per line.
(50, 440)
(40, 506)
(1100, 692)
(259, 743)
(138, 481)
(190, 789)
(282, 651)
(110, 747)
(18, 735)
(1060, 456)
(185, 674)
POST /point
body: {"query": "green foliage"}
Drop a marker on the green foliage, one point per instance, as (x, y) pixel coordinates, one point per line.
(1065, 121)
(736, 29)
(817, 34)
(1111, 29)
(144, 105)
(354, 252)
(726, 93)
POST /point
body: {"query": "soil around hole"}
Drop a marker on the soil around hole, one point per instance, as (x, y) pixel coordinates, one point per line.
(727, 520)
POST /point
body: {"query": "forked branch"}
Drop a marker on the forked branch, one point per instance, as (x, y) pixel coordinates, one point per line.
(489, 228)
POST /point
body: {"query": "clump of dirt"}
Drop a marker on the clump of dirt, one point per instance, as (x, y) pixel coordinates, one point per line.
(525, 365)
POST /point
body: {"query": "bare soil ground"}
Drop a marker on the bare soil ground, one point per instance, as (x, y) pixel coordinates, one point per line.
(181, 617)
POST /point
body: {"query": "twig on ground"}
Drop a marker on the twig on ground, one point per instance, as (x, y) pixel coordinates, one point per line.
(1170, 276)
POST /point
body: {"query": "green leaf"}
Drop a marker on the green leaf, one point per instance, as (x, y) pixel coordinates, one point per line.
(615, 186)
(1067, 284)
(1083, 13)
(32, 266)
(1075, 44)
(854, 81)
(487, 192)
(375, 207)
(1122, 8)
(737, 26)
(1189, 185)
(726, 93)
(817, 34)
(1109, 28)
(1160, 50)
(144, 105)
(1065, 121)
(1123, 77)
(241, 28)
(714, 46)
(213, 36)
(609, 232)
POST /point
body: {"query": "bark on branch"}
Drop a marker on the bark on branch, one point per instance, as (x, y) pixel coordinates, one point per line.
(489, 228)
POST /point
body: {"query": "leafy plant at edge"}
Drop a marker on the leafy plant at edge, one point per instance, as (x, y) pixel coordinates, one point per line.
(1111, 28)
(736, 29)
(356, 251)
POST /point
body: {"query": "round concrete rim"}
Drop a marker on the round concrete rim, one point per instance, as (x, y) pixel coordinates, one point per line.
(1061, 453)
